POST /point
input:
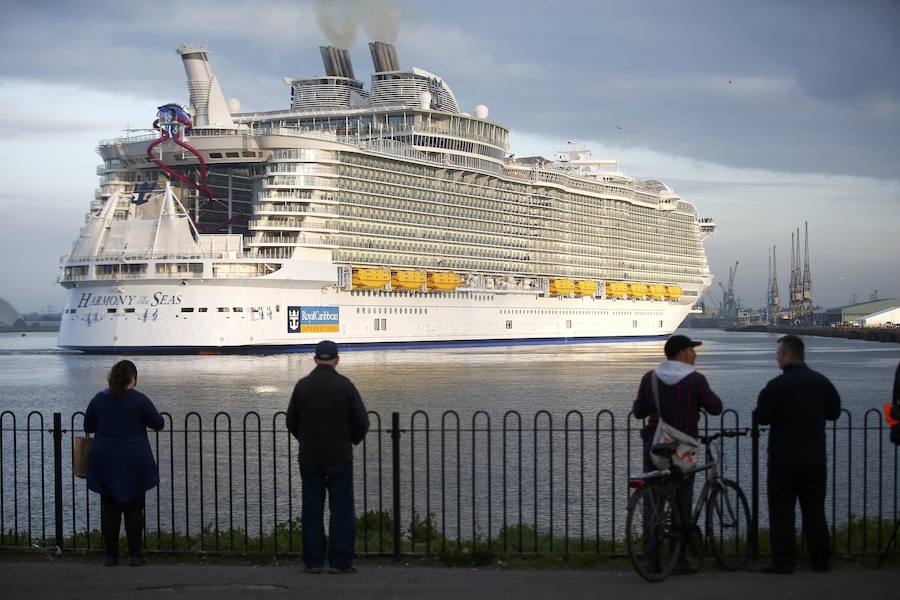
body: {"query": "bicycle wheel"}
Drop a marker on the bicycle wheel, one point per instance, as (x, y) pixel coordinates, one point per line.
(652, 533)
(728, 525)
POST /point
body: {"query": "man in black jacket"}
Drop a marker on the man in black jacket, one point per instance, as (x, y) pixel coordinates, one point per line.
(796, 405)
(327, 416)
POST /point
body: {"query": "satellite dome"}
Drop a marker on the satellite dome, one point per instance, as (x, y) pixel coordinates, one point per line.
(481, 111)
(234, 105)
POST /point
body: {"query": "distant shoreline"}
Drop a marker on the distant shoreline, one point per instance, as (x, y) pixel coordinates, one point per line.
(872, 334)
(40, 329)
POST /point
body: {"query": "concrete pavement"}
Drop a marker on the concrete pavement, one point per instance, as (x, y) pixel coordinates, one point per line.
(75, 578)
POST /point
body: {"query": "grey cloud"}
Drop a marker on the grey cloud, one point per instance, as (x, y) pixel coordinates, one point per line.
(812, 85)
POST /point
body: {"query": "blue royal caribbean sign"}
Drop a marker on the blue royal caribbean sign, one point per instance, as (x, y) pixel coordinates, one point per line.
(313, 319)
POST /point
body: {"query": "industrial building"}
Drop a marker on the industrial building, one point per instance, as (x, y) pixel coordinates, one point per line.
(889, 317)
(864, 312)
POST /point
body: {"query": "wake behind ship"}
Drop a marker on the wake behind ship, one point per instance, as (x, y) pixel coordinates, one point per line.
(370, 216)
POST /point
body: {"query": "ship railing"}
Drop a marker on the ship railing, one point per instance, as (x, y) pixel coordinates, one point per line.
(130, 258)
(293, 208)
(492, 482)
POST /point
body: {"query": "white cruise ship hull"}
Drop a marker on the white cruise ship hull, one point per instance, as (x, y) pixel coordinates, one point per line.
(281, 316)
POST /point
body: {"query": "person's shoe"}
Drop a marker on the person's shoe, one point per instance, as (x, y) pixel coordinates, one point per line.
(775, 569)
(110, 561)
(822, 568)
(347, 571)
(313, 570)
(138, 561)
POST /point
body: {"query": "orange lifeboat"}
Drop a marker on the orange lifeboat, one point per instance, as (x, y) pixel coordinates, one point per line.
(372, 279)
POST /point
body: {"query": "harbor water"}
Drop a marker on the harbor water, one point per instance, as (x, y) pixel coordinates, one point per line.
(35, 375)
(534, 435)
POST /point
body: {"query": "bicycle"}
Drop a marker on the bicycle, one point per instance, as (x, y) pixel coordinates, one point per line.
(654, 532)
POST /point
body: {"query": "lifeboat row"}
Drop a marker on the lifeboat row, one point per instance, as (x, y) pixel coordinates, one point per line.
(653, 291)
(377, 279)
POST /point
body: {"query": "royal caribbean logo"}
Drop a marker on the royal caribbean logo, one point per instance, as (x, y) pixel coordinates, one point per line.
(313, 319)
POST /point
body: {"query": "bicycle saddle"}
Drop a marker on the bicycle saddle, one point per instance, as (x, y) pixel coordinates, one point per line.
(665, 450)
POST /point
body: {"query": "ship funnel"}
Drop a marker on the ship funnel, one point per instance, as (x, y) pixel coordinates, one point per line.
(337, 62)
(207, 100)
(384, 56)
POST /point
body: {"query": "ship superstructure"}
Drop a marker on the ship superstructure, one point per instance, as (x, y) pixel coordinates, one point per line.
(375, 216)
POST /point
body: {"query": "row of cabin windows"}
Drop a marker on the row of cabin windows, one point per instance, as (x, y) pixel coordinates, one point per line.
(392, 311)
(539, 311)
(409, 293)
(189, 309)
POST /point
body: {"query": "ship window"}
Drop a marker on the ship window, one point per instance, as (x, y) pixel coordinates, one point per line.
(237, 309)
(232, 154)
(568, 324)
(215, 155)
(131, 310)
(377, 324)
(110, 310)
(634, 323)
(248, 154)
(660, 323)
(384, 324)
(201, 309)
(186, 309)
(509, 324)
(426, 311)
(223, 309)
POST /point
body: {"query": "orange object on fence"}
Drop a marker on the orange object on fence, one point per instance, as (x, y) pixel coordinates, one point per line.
(891, 421)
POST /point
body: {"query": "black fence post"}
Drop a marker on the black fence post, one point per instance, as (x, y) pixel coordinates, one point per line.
(57, 480)
(395, 459)
(754, 487)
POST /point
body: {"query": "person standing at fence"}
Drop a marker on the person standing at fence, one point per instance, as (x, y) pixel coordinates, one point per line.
(796, 405)
(121, 467)
(327, 416)
(683, 393)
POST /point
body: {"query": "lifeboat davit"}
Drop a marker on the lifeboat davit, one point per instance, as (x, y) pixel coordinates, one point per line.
(443, 282)
(408, 280)
(616, 289)
(637, 290)
(561, 287)
(658, 292)
(585, 288)
(673, 292)
(372, 279)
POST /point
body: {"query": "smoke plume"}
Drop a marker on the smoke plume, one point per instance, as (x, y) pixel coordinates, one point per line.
(339, 20)
(336, 22)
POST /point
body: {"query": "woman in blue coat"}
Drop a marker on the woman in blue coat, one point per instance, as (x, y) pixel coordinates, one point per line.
(120, 463)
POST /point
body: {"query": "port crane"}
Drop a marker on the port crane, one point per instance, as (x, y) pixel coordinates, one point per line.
(728, 307)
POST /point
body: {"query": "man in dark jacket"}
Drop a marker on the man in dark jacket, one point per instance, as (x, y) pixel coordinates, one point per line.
(796, 405)
(683, 393)
(327, 416)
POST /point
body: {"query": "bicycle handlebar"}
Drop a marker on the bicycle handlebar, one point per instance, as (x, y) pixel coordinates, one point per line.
(707, 439)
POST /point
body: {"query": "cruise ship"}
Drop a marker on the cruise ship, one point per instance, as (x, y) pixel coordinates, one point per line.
(370, 215)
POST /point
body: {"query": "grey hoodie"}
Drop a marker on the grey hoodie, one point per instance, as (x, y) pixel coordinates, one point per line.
(671, 372)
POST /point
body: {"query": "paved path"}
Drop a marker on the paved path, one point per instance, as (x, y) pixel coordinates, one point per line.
(72, 579)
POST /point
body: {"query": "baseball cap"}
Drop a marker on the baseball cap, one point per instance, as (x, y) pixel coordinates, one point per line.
(677, 343)
(326, 350)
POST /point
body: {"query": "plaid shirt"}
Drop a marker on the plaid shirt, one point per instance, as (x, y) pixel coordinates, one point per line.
(680, 403)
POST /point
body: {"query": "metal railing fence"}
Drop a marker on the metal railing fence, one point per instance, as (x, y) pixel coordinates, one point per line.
(503, 482)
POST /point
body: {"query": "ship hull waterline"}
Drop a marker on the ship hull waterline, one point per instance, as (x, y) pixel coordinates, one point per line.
(198, 317)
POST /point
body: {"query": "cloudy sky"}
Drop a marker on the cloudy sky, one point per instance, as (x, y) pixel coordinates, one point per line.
(764, 114)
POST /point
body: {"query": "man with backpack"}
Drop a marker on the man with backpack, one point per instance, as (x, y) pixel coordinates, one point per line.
(682, 393)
